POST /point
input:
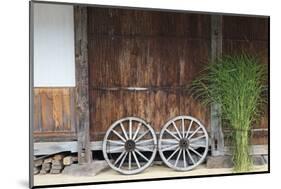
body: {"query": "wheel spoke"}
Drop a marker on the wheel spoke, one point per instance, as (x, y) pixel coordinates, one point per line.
(123, 130)
(129, 145)
(130, 129)
(194, 133)
(143, 156)
(144, 141)
(136, 133)
(183, 143)
(130, 160)
(182, 126)
(177, 129)
(178, 158)
(137, 161)
(143, 134)
(117, 142)
(189, 127)
(193, 150)
(197, 138)
(123, 159)
(119, 158)
(173, 154)
(172, 134)
(184, 160)
(115, 132)
(189, 155)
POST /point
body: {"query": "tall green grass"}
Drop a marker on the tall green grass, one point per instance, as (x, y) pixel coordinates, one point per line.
(237, 83)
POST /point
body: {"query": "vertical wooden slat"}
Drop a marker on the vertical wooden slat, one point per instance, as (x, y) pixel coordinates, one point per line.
(47, 110)
(217, 139)
(57, 109)
(66, 101)
(82, 96)
(36, 109)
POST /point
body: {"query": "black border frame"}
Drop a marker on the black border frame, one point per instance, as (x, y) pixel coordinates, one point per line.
(31, 175)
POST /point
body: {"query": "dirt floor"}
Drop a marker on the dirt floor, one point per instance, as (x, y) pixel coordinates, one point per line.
(152, 172)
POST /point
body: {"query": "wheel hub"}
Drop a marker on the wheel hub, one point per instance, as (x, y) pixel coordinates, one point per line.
(130, 145)
(184, 143)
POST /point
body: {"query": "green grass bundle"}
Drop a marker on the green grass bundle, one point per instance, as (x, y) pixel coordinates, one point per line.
(237, 84)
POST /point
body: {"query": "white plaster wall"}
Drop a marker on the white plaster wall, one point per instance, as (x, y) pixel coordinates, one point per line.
(54, 58)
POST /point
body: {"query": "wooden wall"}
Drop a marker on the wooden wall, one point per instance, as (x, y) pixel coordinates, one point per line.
(249, 35)
(158, 50)
(163, 52)
(54, 116)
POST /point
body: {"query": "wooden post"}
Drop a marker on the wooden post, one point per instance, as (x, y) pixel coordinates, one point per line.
(217, 139)
(82, 95)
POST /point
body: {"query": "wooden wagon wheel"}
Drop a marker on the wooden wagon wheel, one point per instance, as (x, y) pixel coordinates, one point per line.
(183, 143)
(129, 145)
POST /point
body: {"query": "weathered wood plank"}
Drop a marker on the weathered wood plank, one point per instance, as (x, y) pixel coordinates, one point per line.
(53, 114)
(57, 109)
(66, 110)
(144, 77)
(133, 52)
(46, 148)
(216, 134)
(82, 97)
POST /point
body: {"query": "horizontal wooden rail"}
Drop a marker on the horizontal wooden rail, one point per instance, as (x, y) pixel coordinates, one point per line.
(152, 88)
(45, 148)
(137, 35)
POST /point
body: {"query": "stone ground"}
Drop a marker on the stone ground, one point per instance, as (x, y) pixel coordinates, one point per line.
(152, 172)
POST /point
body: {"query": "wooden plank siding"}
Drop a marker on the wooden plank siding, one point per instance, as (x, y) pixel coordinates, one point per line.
(158, 50)
(249, 35)
(161, 51)
(54, 116)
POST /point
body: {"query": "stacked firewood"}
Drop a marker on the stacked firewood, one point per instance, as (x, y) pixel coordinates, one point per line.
(53, 164)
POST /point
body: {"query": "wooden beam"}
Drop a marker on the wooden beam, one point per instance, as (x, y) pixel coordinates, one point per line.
(217, 138)
(82, 95)
(47, 148)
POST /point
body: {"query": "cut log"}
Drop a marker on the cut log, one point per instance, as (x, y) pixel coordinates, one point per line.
(67, 160)
(36, 170)
(46, 166)
(48, 160)
(58, 157)
(57, 167)
(56, 162)
(43, 172)
(38, 162)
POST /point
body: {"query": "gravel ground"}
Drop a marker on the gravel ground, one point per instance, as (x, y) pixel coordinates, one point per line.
(153, 172)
